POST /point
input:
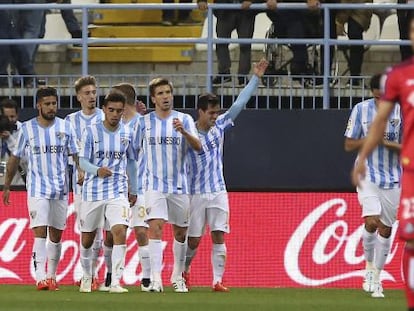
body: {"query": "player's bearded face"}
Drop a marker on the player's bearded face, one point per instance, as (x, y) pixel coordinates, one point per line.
(48, 107)
(163, 97)
(87, 96)
(113, 113)
(212, 114)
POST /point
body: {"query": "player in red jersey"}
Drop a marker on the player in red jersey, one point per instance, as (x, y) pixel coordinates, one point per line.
(398, 87)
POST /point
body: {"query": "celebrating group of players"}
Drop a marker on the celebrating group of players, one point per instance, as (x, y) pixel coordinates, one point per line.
(130, 169)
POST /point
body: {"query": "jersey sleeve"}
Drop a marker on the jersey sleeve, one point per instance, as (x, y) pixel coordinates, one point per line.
(21, 143)
(390, 86)
(224, 121)
(86, 146)
(189, 125)
(135, 145)
(73, 144)
(354, 128)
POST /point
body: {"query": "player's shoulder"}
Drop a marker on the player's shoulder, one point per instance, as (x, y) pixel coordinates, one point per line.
(182, 115)
(400, 68)
(364, 104)
(72, 115)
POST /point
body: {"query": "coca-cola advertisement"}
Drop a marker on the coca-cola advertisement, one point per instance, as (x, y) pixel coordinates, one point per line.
(275, 240)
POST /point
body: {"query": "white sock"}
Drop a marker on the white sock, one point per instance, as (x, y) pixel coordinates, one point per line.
(368, 242)
(39, 258)
(189, 258)
(218, 260)
(53, 256)
(118, 263)
(144, 259)
(155, 251)
(382, 249)
(108, 258)
(86, 261)
(96, 249)
(179, 251)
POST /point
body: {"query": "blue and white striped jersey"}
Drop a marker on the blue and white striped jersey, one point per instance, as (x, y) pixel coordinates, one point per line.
(134, 124)
(165, 152)
(46, 150)
(383, 165)
(102, 147)
(79, 122)
(206, 167)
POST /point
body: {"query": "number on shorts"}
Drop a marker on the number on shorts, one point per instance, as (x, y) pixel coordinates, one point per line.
(408, 208)
(141, 212)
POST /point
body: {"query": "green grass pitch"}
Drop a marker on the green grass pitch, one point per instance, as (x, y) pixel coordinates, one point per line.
(21, 297)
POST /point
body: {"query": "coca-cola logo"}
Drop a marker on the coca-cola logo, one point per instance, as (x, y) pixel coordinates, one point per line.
(305, 244)
(324, 238)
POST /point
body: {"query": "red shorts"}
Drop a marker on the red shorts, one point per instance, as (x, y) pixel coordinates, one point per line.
(406, 210)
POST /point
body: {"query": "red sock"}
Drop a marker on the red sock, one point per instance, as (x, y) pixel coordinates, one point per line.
(408, 269)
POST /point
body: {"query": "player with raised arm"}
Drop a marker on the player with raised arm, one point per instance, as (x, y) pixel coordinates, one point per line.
(46, 142)
(167, 137)
(138, 211)
(398, 88)
(380, 191)
(209, 201)
(108, 152)
(86, 94)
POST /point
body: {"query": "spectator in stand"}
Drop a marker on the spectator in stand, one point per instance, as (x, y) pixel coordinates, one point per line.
(358, 22)
(184, 16)
(15, 54)
(404, 17)
(296, 24)
(30, 23)
(241, 20)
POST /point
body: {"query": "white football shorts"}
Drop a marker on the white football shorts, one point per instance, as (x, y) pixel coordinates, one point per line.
(210, 209)
(174, 208)
(139, 213)
(377, 201)
(47, 212)
(104, 214)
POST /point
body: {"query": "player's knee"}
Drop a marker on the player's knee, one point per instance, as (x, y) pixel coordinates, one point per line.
(193, 242)
(371, 223)
(180, 234)
(384, 231)
(119, 234)
(142, 238)
(410, 244)
(217, 237)
(55, 235)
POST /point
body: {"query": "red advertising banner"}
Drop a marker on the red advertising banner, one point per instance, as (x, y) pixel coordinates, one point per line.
(276, 240)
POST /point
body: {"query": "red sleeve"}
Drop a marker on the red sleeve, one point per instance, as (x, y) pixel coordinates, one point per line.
(390, 86)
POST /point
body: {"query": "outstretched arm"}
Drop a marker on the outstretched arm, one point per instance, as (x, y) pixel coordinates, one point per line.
(244, 96)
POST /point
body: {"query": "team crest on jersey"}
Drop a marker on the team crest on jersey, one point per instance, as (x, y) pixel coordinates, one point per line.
(395, 122)
(33, 214)
(124, 141)
(60, 135)
(349, 125)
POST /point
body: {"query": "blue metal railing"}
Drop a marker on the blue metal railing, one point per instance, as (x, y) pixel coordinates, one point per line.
(326, 41)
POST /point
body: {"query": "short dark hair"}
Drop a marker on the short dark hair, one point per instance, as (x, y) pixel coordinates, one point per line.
(128, 90)
(83, 81)
(10, 104)
(206, 99)
(154, 83)
(114, 96)
(45, 91)
(375, 82)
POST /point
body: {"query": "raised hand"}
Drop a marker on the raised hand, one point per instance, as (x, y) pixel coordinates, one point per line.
(260, 68)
